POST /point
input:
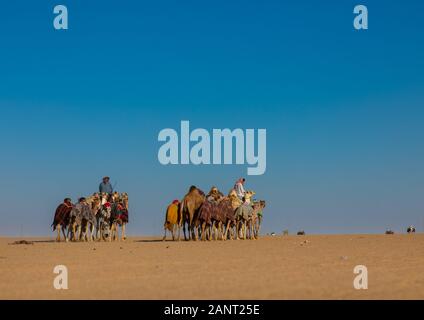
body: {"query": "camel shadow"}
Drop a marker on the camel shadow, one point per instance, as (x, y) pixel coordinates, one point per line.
(154, 240)
(44, 241)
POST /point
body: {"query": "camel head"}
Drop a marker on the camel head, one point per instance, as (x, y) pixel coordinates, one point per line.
(115, 197)
(259, 205)
(249, 194)
(124, 199)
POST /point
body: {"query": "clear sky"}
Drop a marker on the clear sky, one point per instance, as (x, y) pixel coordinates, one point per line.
(343, 109)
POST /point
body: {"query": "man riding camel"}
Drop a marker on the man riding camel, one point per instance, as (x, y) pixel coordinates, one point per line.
(239, 188)
(214, 195)
(105, 186)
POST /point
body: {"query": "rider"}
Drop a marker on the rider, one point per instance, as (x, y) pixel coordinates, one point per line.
(239, 188)
(105, 186)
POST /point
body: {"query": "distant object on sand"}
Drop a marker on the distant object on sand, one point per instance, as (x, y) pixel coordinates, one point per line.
(301, 233)
(411, 229)
(22, 242)
(389, 231)
(285, 232)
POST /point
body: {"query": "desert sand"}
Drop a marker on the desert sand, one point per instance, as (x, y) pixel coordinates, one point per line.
(281, 267)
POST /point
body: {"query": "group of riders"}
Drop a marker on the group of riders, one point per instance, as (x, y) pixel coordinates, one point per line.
(212, 215)
(97, 217)
(215, 216)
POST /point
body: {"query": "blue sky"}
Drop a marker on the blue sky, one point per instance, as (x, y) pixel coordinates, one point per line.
(343, 109)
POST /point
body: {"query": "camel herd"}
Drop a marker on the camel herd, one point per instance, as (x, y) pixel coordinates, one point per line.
(97, 217)
(214, 216)
(208, 217)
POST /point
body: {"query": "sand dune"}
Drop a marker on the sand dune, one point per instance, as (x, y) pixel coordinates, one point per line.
(291, 267)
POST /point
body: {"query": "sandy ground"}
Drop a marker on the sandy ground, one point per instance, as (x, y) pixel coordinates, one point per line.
(269, 268)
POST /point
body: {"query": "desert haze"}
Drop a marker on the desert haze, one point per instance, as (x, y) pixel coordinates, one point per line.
(281, 267)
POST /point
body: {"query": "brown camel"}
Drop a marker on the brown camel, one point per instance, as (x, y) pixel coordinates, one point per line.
(189, 210)
(209, 217)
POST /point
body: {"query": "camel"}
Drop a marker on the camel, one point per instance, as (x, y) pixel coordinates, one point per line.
(189, 209)
(94, 202)
(210, 217)
(81, 217)
(61, 218)
(243, 214)
(230, 206)
(258, 220)
(103, 222)
(223, 218)
(76, 222)
(255, 219)
(124, 218)
(119, 215)
(172, 219)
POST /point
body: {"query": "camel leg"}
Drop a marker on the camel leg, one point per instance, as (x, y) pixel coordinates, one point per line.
(68, 232)
(209, 233)
(203, 231)
(179, 231)
(184, 230)
(73, 232)
(91, 238)
(220, 231)
(226, 230)
(173, 232)
(212, 230)
(194, 235)
(244, 230)
(83, 233)
(58, 233)
(164, 236)
(86, 230)
(259, 227)
(111, 232)
(215, 230)
(123, 237)
(115, 232)
(93, 232)
(88, 233)
(64, 234)
(78, 233)
(251, 235)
